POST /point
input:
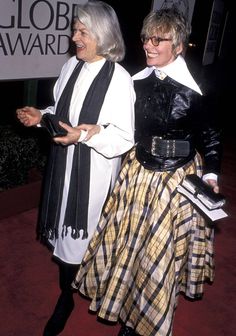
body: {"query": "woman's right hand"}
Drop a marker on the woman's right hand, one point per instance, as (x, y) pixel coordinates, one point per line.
(29, 116)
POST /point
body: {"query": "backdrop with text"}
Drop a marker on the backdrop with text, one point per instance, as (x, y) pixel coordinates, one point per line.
(35, 37)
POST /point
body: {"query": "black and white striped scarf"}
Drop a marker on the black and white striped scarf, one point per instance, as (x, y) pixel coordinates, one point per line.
(76, 213)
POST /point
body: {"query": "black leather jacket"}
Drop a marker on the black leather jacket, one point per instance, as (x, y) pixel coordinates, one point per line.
(170, 110)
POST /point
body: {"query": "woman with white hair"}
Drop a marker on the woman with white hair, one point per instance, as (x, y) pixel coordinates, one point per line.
(94, 97)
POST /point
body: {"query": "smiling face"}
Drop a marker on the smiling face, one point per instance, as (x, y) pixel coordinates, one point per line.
(162, 54)
(86, 45)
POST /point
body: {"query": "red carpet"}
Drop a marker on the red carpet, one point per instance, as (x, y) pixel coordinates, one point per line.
(28, 283)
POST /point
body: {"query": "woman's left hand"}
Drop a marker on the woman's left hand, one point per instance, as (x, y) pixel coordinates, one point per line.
(90, 129)
(213, 184)
(72, 137)
(74, 133)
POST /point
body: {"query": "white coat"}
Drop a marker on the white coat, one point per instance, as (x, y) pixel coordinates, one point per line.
(106, 147)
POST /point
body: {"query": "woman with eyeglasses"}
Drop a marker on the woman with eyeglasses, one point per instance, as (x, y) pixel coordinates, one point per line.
(151, 243)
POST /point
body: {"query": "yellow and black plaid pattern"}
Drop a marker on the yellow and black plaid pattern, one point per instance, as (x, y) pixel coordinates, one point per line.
(150, 245)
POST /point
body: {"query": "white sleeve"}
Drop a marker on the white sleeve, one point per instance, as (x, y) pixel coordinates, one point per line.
(49, 109)
(210, 176)
(117, 114)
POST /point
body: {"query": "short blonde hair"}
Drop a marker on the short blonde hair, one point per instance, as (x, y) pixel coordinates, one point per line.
(167, 21)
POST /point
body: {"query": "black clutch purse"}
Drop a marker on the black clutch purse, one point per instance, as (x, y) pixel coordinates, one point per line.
(51, 123)
(203, 192)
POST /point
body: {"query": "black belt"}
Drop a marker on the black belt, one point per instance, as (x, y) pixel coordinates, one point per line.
(165, 148)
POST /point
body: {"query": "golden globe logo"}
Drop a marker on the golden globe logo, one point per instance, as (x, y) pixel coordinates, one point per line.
(36, 28)
(35, 37)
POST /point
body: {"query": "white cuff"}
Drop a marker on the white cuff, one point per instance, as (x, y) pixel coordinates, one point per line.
(83, 135)
(210, 176)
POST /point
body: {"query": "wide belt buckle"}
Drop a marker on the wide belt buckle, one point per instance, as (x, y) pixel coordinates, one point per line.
(170, 148)
(156, 146)
(163, 148)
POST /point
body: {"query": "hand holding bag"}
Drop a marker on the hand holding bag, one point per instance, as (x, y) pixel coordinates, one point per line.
(203, 192)
(51, 123)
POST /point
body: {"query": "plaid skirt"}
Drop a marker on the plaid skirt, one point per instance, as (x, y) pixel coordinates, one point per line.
(150, 245)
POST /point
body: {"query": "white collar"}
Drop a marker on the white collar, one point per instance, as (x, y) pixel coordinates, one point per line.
(94, 66)
(177, 70)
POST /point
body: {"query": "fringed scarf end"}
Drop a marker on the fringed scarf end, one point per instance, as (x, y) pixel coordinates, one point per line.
(75, 234)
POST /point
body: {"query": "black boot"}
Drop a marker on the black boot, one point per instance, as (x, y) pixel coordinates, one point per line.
(62, 311)
(65, 303)
(126, 331)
